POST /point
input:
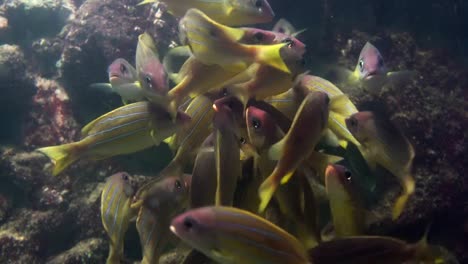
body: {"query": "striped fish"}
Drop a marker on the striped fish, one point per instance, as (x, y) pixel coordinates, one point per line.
(167, 197)
(125, 130)
(229, 235)
(116, 212)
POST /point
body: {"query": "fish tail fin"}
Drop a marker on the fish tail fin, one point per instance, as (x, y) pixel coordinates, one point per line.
(62, 156)
(287, 177)
(408, 189)
(266, 191)
(270, 55)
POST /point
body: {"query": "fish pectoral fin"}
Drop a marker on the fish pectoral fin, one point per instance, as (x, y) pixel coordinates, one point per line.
(169, 140)
(275, 151)
(104, 87)
(154, 137)
(330, 139)
(408, 185)
(287, 177)
(266, 191)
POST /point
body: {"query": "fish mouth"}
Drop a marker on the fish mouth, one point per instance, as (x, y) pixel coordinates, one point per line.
(113, 77)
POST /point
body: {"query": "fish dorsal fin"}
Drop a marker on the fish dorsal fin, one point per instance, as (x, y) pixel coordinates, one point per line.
(297, 33)
(168, 61)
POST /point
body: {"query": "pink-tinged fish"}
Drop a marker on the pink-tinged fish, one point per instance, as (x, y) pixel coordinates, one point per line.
(162, 199)
(347, 214)
(384, 144)
(229, 235)
(123, 80)
(298, 144)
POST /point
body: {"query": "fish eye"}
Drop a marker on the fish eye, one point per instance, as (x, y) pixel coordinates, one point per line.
(148, 80)
(242, 140)
(256, 123)
(348, 175)
(259, 36)
(289, 41)
(123, 69)
(189, 222)
(125, 177)
(353, 122)
(258, 3)
(361, 64)
(178, 184)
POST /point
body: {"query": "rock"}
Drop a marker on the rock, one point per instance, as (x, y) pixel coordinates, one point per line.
(101, 32)
(51, 120)
(17, 89)
(91, 250)
(16, 248)
(30, 19)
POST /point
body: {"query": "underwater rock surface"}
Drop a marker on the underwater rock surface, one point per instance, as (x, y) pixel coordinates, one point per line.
(46, 103)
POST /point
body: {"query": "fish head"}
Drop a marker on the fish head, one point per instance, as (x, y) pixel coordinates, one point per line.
(357, 124)
(168, 192)
(229, 111)
(256, 36)
(338, 179)
(121, 72)
(260, 127)
(370, 62)
(197, 228)
(258, 11)
(153, 77)
(125, 181)
(293, 53)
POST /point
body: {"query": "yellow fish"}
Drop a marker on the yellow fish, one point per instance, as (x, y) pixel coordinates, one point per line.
(187, 140)
(232, 12)
(229, 235)
(383, 144)
(125, 130)
(346, 212)
(116, 213)
(298, 143)
(227, 152)
(213, 43)
(165, 198)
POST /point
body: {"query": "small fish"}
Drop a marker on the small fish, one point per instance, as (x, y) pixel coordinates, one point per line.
(123, 80)
(383, 144)
(153, 79)
(341, 106)
(371, 72)
(196, 78)
(116, 213)
(214, 43)
(230, 235)
(378, 249)
(285, 27)
(346, 212)
(233, 12)
(187, 141)
(298, 143)
(204, 181)
(227, 152)
(125, 130)
(164, 199)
